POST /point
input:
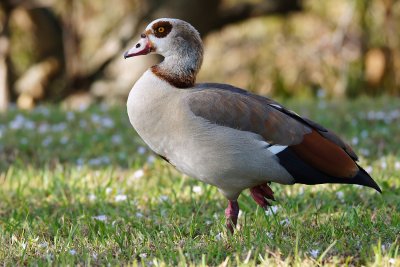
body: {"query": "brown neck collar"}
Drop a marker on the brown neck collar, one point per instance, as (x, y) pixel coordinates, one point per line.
(179, 80)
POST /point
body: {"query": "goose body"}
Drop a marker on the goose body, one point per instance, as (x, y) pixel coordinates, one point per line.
(226, 136)
(241, 160)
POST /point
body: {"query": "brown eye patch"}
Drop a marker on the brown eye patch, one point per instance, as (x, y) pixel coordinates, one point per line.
(162, 28)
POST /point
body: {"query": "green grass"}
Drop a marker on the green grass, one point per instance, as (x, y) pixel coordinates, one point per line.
(82, 188)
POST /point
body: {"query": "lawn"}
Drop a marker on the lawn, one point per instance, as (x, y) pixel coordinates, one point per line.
(80, 187)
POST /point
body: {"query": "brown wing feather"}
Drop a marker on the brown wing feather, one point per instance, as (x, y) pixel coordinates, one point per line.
(239, 109)
(245, 113)
(325, 156)
(328, 134)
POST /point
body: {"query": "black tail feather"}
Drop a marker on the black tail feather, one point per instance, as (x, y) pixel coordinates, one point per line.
(306, 174)
(363, 178)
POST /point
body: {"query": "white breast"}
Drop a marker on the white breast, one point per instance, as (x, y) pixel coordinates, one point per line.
(152, 110)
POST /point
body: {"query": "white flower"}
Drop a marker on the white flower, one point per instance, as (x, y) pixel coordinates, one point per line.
(29, 125)
(92, 197)
(397, 165)
(208, 222)
(94, 162)
(95, 118)
(99, 161)
(102, 218)
(141, 150)
(72, 252)
(321, 93)
(64, 140)
(70, 116)
(163, 198)
(301, 190)
(43, 110)
(197, 189)
(108, 190)
(314, 253)
(107, 122)
(271, 210)
(23, 245)
(383, 164)
(43, 128)
(59, 127)
(218, 236)
(82, 107)
(47, 141)
(380, 115)
(151, 159)
(138, 174)
(43, 244)
(23, 141)
(322, 105)
(80, 162)
(365, 152)
(364, 134)
(340, 195)
(122, 155)
(105, 160)
(116, 139)
(82, 123)
(143, 255)
(120, 197)
(18, 122)
(240, 213)
(285, 222)
(369, 169)
(354, 140)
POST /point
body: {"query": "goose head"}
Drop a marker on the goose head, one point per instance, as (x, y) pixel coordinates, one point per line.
(180, 45)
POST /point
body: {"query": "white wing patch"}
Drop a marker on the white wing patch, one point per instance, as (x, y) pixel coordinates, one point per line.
(281, 108)
(275, 149)
(276, 106)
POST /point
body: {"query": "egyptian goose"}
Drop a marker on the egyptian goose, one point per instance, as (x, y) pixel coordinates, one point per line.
(223, 135)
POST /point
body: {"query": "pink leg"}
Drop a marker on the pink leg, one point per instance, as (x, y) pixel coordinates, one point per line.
(260, 193)
(231, 214)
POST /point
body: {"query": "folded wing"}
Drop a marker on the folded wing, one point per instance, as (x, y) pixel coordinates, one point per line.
(316, 146)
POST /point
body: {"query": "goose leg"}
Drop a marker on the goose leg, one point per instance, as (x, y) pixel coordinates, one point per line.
(231, 214)
(261, 193)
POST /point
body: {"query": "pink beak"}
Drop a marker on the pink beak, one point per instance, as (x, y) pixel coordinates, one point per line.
(143, 47)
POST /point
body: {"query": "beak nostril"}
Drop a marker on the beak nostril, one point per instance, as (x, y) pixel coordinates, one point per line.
(143, 35)
(137, 45)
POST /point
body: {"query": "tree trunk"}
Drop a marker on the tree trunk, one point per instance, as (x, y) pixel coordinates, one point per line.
(5, 63)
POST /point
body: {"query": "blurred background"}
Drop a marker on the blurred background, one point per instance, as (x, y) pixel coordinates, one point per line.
(70, 51)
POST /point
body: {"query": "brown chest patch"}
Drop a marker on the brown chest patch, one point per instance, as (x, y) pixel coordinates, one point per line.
(179, 81)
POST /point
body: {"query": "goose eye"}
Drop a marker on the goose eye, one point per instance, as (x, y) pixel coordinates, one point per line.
(161, 29)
